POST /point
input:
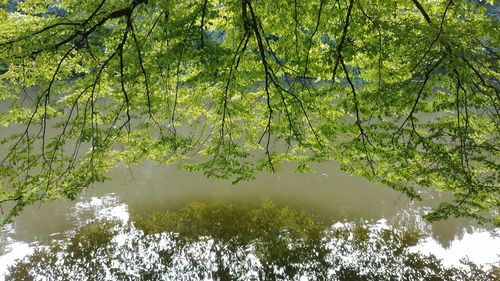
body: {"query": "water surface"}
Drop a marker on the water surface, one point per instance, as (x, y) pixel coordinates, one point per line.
(329, 194)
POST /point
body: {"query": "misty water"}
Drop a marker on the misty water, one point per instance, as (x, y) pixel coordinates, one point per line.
(328, 194)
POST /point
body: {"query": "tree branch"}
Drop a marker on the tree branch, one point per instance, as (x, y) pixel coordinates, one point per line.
(422, 11)
(342, 40)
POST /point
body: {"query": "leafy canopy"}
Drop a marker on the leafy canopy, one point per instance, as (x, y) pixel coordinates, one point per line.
(402, 92)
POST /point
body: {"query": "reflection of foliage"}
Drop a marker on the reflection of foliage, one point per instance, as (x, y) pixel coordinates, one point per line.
(79, 257)
(280, 238)
(228, 242)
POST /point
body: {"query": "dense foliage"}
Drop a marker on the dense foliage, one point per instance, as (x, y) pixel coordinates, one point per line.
(228, 242)
(401, 92)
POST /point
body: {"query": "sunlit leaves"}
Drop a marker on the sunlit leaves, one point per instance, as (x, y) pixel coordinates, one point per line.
(413, 102)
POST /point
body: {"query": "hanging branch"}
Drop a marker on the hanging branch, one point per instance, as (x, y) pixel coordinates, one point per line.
(265, 66)
(202, 24)
(318, 20)
(342, 40)
(422, 11)
(362, 133)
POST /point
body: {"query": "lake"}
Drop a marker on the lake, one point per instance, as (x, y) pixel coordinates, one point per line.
(328, 194)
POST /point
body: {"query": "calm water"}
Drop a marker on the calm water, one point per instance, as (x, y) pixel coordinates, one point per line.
(328, 193)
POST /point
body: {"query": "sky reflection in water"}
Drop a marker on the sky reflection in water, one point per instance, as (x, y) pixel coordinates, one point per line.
(223, 241)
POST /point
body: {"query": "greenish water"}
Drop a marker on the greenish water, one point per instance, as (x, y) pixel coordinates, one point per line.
(330, 196)
(218, 241)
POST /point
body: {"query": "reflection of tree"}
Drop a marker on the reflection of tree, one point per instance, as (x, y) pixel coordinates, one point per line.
(227, 242)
